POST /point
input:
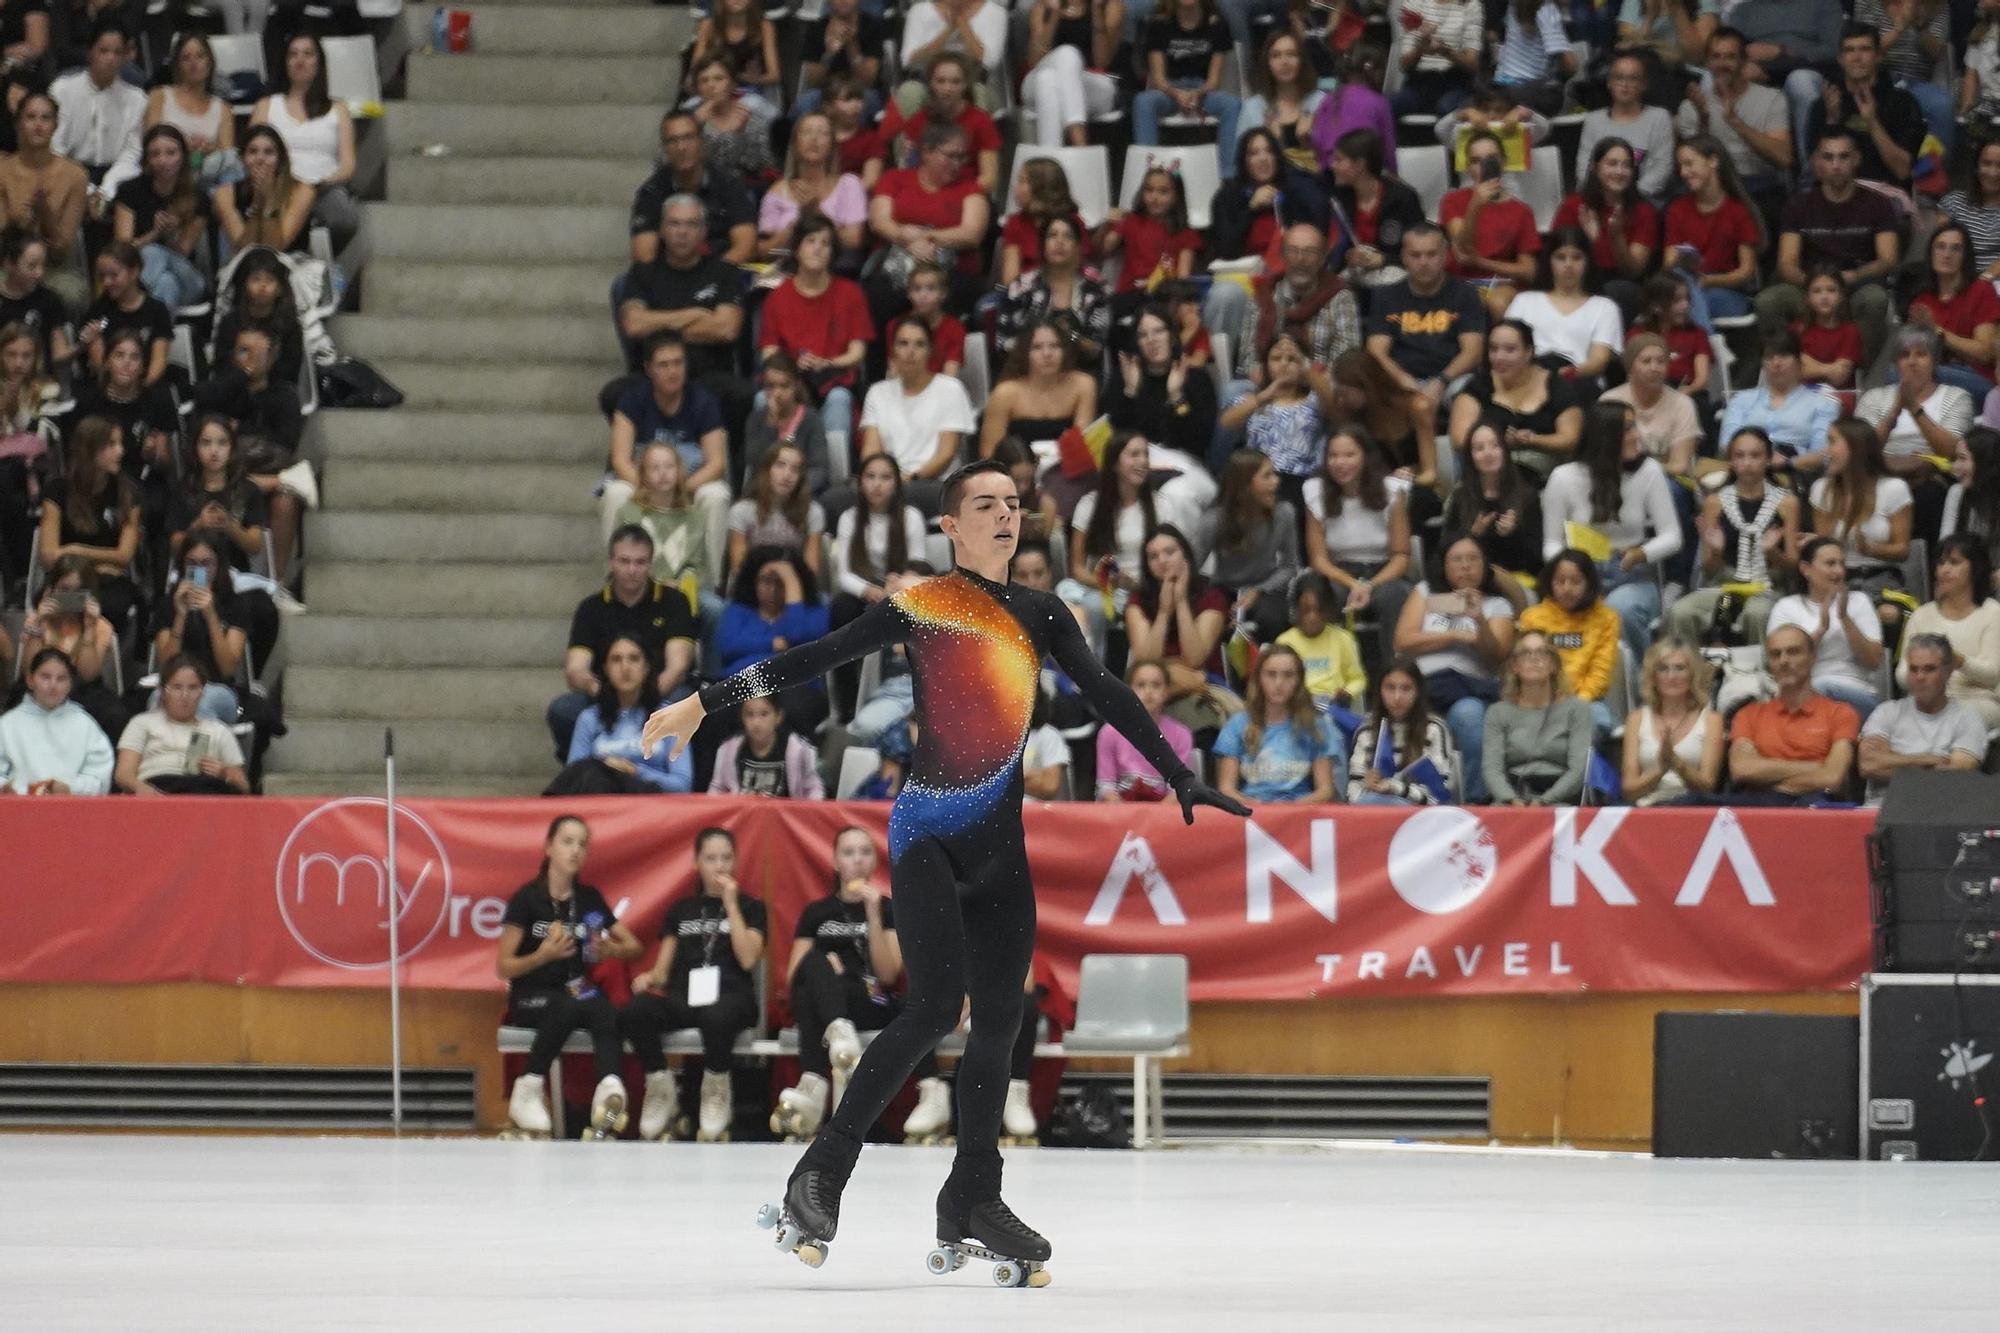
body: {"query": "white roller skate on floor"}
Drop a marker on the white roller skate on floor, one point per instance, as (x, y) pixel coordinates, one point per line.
(528, 1109)
(843, 1052)
(718, 1107)
(800, 1109)
(608, 1116)
(661, 1104)
(1017, 1119)
(930, 1122)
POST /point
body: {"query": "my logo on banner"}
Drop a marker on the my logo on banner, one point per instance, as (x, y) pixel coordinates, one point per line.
(333, 883)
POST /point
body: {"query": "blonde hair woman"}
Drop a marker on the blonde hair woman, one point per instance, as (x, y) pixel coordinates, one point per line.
(1538, 736)
(1673, 740)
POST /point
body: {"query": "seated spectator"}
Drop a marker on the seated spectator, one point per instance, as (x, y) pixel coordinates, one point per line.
(1256, 201)
(118, 393)
(1429, 329)
(1440, 57)
(1255, 544)
(1841, 622)
(1278, 750)
(729, 214)
(1123, 774)
(1621, 497)
(1156, 394)
(773, 605)
(260, 296)
(268, 205)
(1869, 512)
(1040, 517)
(1108, 527)
(845, 41)
(777, 511)
(735, 135)
(631, 604)
(1334, 675)
(767, 758)
(738, 31)
(27, 399)
(812, 180)
(786, 417)
(1887, 123)
(44, 194)
(1974, 200)
(1041, 192)
(1575, 621)
(1567, 319)
(1044, 756)
(663, 509)
(1494, 505)
(876, 539)
(122, 305)
(1979, 86)
(1494, 237)
(1061, 291)
(1158, 244)
(1374, 208)
(1400, 420)
(927, 214)
(1537, 744)
(1305, 301)
(101, 114)
(1972, 505)
(1929, 728)
(1836, 221)
(269, 424)
(1670, 318)
(1490, 107)
(1621, 227)
(1673, 740)
(1459, 636)
(820, 320)
(1749, 532)
(1185, 45)
(215, 495)
(1969, 621)
(976, 30)
(1798, 748)
(1286, 98)
(858, 145)
(1402, 754)
(319, 134)
(92, 512)
(173, 749)
(1960, 307)
(26, 33)
(1069, 54)
(697, 296)
(665, 408)
(1358, 530)
(1535, 57)
(1179, 617)
(48, 745)
(916, 416)
(929, 285)
(161, 213)
(204, 620)
(188, 103)
(68, 618)
(26, 301)
(1829, 339)
(1676, 34)
(1356, 103)
(1284, 416)
(1648, 130)
(949, 86)
(1793, 414)
(1535, 409)
(1751, 122)
(1714, 231)
(1669, 426)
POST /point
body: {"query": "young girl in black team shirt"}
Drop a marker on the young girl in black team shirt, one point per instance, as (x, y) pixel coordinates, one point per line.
(709, 945)
(554, 931)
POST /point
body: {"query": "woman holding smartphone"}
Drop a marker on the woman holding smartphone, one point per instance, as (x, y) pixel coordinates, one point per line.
(173, 750)
(199, 620)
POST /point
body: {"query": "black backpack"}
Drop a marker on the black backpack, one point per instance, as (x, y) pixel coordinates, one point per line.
(1089, 1118)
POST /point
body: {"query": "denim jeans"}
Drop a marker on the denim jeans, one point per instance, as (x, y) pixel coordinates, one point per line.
(1152, 104)
(1637, 601)
(889, 705)
(218, 701)
(170, 277)
(1861, 699)
(1466, 721)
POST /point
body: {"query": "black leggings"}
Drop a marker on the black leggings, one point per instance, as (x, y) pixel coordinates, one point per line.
(554, 1015)
(649, 1018)
(965, 914)
(820, 995)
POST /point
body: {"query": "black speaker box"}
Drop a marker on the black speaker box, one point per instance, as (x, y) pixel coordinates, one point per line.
(1928, 1042)
(1935, 905)
(1738, 1084)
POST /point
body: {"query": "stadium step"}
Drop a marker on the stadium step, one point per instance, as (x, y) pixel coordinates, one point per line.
(585, 339)
(486, 129)
(454, 487)
(465, 437)
(496, 694)
(454, 642)
(528, 233)
(457, 179)
(451, 588)
(504, 538)
(434, 747)
(610, 78)
(491, 388)
(577, 30)
(425, 287)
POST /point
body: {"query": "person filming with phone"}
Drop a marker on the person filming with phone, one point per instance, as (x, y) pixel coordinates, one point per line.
(68, 617)
(200, 621)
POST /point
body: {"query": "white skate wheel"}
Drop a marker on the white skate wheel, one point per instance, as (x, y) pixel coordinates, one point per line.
(1004, 1275)
(767, 1216)
(939, 1262)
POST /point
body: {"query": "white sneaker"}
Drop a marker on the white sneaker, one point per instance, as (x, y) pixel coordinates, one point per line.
(300, 481)
(528, 1107)
(718, 1108)
(662, 1101)
(607, 1107)
(287, 604)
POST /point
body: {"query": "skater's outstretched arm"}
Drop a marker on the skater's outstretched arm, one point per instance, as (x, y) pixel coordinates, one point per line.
(1116, 704)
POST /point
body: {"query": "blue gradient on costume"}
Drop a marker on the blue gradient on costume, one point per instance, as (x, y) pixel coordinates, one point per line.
(921, 811)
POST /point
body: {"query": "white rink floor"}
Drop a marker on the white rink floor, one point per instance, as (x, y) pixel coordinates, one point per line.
(273, 1234)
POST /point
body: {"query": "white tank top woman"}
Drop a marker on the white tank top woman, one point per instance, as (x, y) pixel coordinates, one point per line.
(314, 144)
(1687, 749)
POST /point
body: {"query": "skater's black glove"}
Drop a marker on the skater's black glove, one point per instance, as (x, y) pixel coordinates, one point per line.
(1192, 792)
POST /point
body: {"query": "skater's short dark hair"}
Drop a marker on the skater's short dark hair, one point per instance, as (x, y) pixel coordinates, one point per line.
(954, 485)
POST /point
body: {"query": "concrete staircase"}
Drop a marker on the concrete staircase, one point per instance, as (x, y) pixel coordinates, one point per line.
(458, 531)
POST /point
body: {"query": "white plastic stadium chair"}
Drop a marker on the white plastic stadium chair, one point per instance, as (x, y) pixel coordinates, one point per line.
(1198, 165)
(1089, 172)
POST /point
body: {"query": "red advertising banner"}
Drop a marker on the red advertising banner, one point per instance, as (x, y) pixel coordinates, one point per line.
(1294, 904)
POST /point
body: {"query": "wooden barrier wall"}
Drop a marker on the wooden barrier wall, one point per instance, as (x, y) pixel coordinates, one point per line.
(1565, 1069)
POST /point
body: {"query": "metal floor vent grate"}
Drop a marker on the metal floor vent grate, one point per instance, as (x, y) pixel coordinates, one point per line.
(1224, 1106)
(233, 1097)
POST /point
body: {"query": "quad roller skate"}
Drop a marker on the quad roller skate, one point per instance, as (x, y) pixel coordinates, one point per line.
(718, 1106)
(528, 1109)
(800, 1109)
(1017, 1119)
(843, 1052)
(661, 1106)
(930, 1122)
(806, 1221)
(607, 1110)
(988, 1231)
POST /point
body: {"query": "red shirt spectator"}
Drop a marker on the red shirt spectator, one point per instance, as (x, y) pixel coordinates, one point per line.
(981, 134)
(1842, 342)
(858, 149)
(941, 210)
(1145, 242)
(823, 325)
(1963, 314)
(1719, 236)
(947, 344)
(1684, 344)
(1507, 231)
(1642, 227)
(1024, 230)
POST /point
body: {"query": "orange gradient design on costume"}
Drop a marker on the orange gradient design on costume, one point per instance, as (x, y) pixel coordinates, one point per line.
(977, 680)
